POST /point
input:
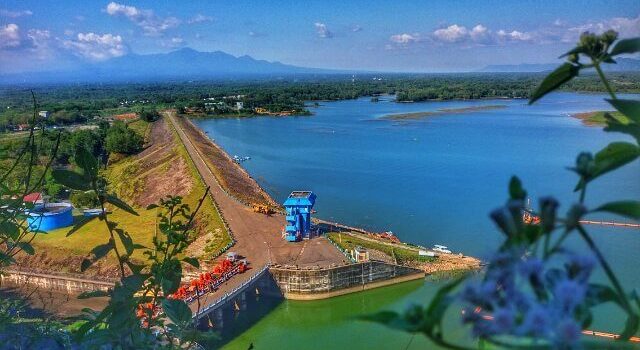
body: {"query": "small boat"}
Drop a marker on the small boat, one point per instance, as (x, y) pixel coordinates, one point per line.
(239, 159)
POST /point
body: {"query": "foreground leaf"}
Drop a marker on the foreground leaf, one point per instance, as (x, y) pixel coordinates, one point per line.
(626, 46)
(71, 179)
(87, 162)
(177, 311)
(192, 261)
(515, 189)
(615, 155)
(103, 249)
(120, 204)
(554, 80)
(629, 129)
(83, 221)
(26, 247)
(93, 294)
(630, 108)
(630, 209)
(170, 277)
(10, 229)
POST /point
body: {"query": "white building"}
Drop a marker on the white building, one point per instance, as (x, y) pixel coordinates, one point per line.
(239, 105)
(44, 114)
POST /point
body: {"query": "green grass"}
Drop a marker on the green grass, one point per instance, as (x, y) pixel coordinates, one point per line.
(597, 118)
(348, 242)
(126, 177)
(141, 127)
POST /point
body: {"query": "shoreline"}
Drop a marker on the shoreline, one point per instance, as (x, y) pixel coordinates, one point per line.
(597, 118)
(446, 262)
(228, 168)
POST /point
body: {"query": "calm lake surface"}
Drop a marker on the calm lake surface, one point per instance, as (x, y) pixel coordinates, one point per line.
(430, 181)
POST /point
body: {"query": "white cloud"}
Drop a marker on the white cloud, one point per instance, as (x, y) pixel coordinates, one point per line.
(514, 35)
(40, 43)
(453, 33)
(479, 35)
(15, 14)
(625, 26)
(151, 24)
(404, 38)
(199, 18)
(9, 36)
(356, 28)
(96, 47)
(322, 30)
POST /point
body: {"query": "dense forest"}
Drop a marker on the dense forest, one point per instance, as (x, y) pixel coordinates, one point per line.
(72, 104)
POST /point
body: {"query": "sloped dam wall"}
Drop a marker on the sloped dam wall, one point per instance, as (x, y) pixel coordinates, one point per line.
(321, 283)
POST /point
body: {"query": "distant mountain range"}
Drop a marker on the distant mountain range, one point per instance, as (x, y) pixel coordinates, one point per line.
(623, 65)
(189, 64)
(180, 65)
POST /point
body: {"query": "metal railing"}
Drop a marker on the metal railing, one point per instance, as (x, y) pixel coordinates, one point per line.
(343, 251)
(230, 294)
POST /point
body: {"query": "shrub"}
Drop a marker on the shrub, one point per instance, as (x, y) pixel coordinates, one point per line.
(121, 139)
(84, 199)
(149, 115)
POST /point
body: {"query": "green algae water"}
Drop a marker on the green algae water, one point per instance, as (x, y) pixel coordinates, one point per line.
(430, 181)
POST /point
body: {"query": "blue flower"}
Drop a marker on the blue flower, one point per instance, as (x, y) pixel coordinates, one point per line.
(580, 266)
(504, 320)
(568, 294)
(531, 267)
(536, 322)
(567, 333)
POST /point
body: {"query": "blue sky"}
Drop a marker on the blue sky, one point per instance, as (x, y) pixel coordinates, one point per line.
(416, 36)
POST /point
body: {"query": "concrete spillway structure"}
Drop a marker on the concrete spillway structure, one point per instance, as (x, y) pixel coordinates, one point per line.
(298, 206)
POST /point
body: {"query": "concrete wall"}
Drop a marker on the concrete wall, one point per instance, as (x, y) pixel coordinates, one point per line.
(303, 284)
(54, 282)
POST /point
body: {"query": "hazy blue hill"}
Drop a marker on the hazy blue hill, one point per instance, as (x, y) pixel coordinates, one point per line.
(623, 65)
(181, 64)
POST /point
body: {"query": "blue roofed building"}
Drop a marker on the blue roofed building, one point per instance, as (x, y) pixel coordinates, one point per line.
(298, 206)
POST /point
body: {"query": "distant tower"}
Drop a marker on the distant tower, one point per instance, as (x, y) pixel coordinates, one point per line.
(298, 205)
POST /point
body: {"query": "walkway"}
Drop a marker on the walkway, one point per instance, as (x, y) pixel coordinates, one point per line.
(257, 235)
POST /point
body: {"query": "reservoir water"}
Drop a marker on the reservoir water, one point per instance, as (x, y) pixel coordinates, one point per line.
(430, 181)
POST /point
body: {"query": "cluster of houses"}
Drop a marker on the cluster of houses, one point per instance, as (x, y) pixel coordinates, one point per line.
(130, 102)
(26, 126)
(224, 103)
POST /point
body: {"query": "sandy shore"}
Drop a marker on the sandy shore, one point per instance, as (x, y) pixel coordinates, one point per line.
(439, 112)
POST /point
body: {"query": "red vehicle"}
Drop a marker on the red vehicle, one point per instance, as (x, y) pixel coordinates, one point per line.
(210, 281)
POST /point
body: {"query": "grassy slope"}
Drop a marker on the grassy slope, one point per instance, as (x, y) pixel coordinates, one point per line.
(141, 228)
(348, 242)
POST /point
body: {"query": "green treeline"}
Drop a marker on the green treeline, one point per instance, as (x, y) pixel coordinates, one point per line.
(73, 104)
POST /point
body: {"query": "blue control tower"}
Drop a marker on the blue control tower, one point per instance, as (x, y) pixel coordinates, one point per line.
(298, 205)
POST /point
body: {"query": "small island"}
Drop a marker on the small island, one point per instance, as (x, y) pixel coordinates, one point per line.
(443, 111)
(597, 118)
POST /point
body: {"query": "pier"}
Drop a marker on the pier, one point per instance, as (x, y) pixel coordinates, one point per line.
(610, 223)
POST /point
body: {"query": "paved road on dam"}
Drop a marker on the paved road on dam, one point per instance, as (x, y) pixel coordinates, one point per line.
(258, 236)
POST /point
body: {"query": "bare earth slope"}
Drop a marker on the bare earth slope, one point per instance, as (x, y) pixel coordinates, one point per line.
(258, 236)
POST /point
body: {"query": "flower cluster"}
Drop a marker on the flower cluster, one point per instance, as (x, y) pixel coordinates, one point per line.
(521, 295)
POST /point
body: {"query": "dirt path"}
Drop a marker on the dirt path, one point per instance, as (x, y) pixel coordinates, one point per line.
(258, 236)
(230, 176)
